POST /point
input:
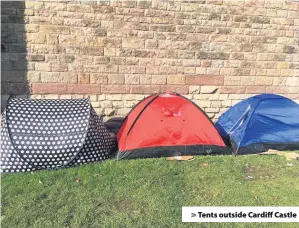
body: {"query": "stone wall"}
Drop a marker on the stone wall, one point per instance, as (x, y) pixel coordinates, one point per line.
(215, 52)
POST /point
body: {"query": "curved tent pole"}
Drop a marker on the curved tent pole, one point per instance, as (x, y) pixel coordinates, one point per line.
(239, 122)
(37, 167)
(9, 135)
(138, 104)
(237, 125)
(156, 95)
(140, 113)
(202, 111)
(238, 146)
(88, 127)
(251, 118)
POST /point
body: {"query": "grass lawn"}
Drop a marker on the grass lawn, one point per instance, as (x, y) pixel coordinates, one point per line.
(148, 192)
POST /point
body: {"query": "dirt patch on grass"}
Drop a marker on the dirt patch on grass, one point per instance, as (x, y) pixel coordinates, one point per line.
(123, 205)
(41, 196)
(252, 172)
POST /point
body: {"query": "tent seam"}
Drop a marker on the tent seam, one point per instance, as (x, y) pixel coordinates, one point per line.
(82, 145)
(9, 135)
(250, 121)
(197, 106)
(140, 113)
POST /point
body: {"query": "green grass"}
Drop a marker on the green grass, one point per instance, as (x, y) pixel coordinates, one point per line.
(147, 192)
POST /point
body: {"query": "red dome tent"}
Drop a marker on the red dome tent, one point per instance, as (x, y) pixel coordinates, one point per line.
(167, 125)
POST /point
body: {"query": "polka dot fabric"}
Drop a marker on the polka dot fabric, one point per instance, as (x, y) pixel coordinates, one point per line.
(48, 134)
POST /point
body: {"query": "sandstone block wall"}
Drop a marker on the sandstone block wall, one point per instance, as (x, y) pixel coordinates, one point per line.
(214, 52)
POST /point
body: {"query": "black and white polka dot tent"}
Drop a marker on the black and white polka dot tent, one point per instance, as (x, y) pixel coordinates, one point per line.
(48, 134)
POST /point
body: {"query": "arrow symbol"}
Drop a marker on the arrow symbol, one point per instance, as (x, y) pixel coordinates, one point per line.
(192, 215)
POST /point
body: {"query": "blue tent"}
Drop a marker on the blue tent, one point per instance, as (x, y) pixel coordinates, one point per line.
(259, 123)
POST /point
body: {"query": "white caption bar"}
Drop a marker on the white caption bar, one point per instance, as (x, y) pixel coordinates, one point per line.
(240, 214)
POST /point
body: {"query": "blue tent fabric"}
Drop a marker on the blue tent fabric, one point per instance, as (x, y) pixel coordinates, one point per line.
(259, 123)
